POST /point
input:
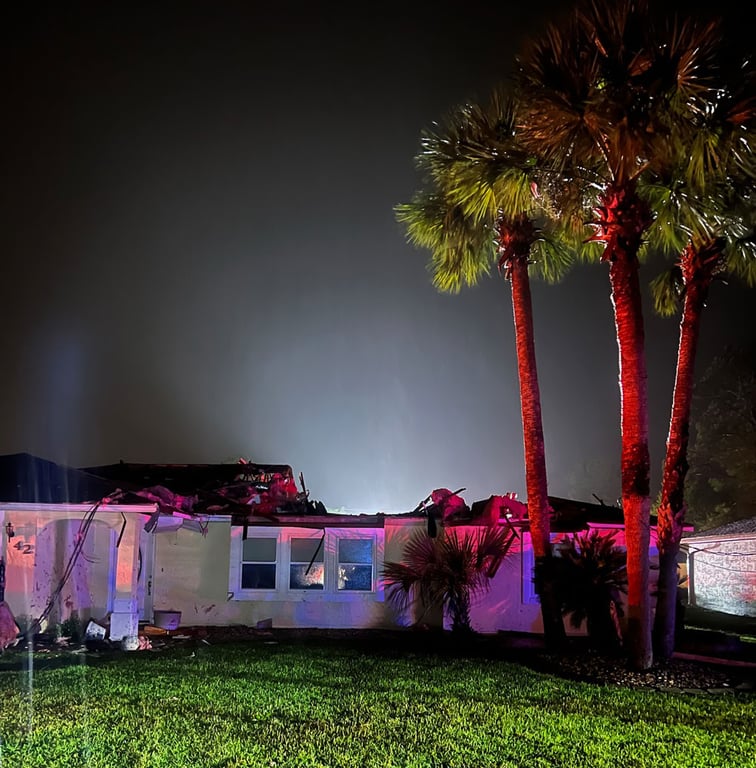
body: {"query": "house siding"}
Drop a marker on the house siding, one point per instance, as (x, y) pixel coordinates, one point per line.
(191, 572)
(722, 574)
(192, 576)
(504, 607)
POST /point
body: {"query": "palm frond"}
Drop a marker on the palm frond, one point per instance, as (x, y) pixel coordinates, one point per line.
(616, 90)
(666, 291)
(551, 258)
(461, 252)
(477, 178)
(740, 259)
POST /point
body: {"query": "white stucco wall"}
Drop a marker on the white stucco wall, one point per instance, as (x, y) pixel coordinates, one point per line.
(507, 606)
(191, 575)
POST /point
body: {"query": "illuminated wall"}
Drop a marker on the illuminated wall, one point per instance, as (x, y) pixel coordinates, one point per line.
(722, 574)
(191, 575)
(184, 570)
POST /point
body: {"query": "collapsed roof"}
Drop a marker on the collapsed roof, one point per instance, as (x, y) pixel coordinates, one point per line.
(195, 490)
(248, 492)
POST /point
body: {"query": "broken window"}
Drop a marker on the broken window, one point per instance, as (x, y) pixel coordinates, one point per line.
(355, 564)
(306, 568)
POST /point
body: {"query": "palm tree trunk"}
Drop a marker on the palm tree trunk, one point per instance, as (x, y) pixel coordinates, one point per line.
(535, 459)
(628, 318)
(459, 608)
(622, 218)
(697, 269)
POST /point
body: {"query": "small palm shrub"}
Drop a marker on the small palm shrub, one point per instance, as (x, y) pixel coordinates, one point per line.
(448, 570)
(591, 572)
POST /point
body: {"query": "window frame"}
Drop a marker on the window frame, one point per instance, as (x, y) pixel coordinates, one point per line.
(339, 563)
(283, 536)
(275, 562)
(320, 552)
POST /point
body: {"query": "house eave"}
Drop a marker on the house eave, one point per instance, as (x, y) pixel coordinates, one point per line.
(694, 540)
(311, 521)
(67, 507)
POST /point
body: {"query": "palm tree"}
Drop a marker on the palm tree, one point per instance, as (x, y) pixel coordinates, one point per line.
(594, 578)
(610, 94)
(449, 570)
(721, 220)
(481, 205)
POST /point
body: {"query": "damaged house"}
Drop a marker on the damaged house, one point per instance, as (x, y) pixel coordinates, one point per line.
(234, 544)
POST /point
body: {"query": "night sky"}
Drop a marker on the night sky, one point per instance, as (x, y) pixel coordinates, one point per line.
(201, 260)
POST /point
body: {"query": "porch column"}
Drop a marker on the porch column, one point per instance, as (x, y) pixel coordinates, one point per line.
(124, 618)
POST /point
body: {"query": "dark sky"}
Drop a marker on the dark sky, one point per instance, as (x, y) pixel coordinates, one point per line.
(201, 260)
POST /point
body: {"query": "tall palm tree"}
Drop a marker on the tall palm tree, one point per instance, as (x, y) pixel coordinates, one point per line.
(714, 200)
(481, 206)
(611, 93)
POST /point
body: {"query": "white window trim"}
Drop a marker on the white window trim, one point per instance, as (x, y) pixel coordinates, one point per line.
(330, 591)
(529, 596)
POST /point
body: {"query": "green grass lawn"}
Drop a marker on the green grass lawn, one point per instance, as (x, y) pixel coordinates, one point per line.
(329, 704)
